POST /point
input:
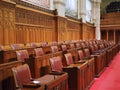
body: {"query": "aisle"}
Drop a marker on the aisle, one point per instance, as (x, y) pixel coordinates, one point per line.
(110, 79)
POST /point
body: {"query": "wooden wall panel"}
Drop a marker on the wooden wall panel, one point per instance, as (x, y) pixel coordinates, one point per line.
(61, 28)
(8, 23)
(74, 29)
(88, 31)
(37, 26)
(1, 25)
(22, 24)
(68, 29)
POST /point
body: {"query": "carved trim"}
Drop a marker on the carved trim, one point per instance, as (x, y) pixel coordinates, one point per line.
(32, 25)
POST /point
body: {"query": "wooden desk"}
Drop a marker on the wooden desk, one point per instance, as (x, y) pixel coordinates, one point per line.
(99, 63)
(90, 72)
(41, 65)
(52, 82)
(6, 76)
(10, 55)
(77, 75)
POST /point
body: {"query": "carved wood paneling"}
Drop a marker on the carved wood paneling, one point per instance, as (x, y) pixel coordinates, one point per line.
(61, 28)
(68, 29)
(74, 30)
(7, 15)
(88, 31)
(1, 25)
(23, 24)
(37, 27)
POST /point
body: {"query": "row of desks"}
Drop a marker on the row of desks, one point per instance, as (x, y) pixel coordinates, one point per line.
(47, 82)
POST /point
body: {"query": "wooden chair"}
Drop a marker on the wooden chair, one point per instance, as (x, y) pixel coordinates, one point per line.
(64, 47)
(72, 46)
(15, 46)
(22, 75)
(69, 59)
(33, 45)
(56, 64)
(81, 54)
(22, 55)
(54, 49)
(39, 52)
(87, 52)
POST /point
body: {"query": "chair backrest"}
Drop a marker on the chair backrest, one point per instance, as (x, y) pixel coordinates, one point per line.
(69, 59)
(77, 45)
(101, 46)
(43, 44)
(81, 54)
(22, 55)
(82, 44)
(96, 47)
(56, 64)
(72, 46)
(39, 52)
(92, 48)
(22, 75)
(33, 45)
(15, 46)
(54, 43)
(87, 52)
(64, 47)
(90, 42)
(54, 49)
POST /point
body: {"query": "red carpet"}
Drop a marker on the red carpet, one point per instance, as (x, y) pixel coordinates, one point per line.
(110, 79)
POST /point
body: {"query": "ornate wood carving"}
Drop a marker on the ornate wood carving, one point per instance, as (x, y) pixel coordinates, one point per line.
(24, 23)
(88, 31)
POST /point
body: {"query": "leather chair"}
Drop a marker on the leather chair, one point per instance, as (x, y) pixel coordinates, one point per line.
(22, 75)
(54, 49)
(92, 49)
(77, 45)
(64, 47)
(69, 59)
(81, 54)
(54, 43)
(15, 46)
(87, 52)
(72, 46)
(22, 55)
(43, 44)
(33, 45)
(56, 64)
(39, 52)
